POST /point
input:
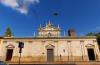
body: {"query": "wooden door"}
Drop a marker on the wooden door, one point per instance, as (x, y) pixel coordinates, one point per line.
(91, 54)
(9, 54)
(50, 55)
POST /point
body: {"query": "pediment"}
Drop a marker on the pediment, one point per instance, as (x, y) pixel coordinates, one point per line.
(50, 46)
(10, 46)
(89, 45)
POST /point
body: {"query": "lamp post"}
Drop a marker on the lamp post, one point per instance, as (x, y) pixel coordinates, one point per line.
(21, 45)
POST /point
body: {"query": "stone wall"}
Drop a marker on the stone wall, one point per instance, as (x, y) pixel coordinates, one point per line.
(64, 49)
(44, 59)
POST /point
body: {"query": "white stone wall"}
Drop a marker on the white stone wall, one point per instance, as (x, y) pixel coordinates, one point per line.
(63, 47)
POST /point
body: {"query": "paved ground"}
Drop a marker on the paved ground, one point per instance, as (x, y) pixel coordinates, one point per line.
(42, 64)
(58, 63)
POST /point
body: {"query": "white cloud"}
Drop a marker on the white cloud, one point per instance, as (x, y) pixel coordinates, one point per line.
(10, 3)
(19, 5)
(23, 10)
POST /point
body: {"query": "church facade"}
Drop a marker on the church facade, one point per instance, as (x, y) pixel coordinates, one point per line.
(50, 46)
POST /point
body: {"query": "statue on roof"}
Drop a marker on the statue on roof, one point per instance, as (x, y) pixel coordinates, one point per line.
(49, 29)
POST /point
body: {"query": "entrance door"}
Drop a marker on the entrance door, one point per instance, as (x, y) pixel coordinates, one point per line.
(50, 55)
(9, 54)
(91, 54)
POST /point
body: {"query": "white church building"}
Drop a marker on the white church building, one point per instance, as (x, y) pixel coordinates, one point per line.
(50, 46)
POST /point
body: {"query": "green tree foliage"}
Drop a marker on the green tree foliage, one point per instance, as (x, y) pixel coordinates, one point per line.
(97, 35)
(98, 38)
(90, 34)
(8, 32)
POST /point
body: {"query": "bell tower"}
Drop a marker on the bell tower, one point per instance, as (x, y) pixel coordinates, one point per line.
(72, 32)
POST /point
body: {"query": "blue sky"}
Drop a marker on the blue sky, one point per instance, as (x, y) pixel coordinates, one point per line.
(25, 17)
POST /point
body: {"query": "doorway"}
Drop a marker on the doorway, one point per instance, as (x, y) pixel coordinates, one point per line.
(9, 54)
(91, 54)
(50, 55)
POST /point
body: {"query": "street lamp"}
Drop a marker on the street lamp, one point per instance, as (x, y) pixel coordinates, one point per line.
(21, 45)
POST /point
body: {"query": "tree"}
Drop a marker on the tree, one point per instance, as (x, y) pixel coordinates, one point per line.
(90, 34)
(8, 32)
(97, 34)
(98, 39)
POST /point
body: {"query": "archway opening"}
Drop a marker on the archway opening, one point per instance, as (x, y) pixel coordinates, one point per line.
(9, 54)
(91, 54)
